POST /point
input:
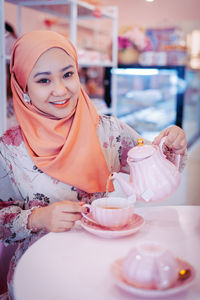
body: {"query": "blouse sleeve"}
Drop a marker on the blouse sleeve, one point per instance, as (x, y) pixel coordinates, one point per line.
(129, 139)
(13, 215)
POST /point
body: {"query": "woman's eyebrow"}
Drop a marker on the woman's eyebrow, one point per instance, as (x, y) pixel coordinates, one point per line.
(41, 73)
(66, 68)
(49, 73)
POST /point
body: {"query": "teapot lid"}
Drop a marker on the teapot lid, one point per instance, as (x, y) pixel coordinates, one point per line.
(141, 151)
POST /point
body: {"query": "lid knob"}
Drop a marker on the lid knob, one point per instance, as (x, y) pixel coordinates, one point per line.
(140, 142)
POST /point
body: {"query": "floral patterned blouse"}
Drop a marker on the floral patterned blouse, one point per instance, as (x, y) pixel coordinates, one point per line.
(23, 186)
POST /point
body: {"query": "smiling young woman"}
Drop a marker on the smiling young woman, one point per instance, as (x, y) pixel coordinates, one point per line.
(62, 152)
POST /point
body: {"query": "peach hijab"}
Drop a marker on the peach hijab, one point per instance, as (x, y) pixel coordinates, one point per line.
(67, 149)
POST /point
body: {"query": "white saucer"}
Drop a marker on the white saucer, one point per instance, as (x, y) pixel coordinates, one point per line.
(134, 225)
(178, 286)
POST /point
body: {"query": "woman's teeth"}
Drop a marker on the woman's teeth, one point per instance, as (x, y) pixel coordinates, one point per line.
(60, 102)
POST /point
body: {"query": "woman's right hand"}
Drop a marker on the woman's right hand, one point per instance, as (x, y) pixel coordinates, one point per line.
(57, 217)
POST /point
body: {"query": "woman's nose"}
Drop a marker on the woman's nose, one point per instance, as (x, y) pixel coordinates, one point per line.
(59, 89)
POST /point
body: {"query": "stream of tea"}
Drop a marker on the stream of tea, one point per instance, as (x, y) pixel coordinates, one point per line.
(107, 185)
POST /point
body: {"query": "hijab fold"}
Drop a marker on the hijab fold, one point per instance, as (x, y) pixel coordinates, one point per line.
(67, 149)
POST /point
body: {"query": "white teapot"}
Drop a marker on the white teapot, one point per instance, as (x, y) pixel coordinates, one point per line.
(152, 176)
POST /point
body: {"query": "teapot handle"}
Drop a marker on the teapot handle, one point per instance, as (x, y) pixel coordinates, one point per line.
(177, 156)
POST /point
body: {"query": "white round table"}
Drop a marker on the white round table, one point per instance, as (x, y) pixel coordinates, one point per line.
(76, 265)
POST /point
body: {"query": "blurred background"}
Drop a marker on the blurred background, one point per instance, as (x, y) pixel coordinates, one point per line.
(138, 60)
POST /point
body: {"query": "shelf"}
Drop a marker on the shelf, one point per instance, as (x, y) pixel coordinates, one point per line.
(61, 8)
(72, 12)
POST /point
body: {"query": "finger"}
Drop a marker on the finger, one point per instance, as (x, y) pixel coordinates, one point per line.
(69, 206)
(63, 226)
(71, 217)
(171, 140)
(171, 133)
(60, 229)
(180, 149)
(176, 141)
(68, 225)
(64, 229)
(158, 138)
(181, 152)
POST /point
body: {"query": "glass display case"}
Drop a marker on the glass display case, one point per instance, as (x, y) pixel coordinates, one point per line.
(149, 99)
(191, 111)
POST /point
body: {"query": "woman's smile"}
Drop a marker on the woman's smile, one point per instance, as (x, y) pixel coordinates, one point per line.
(60, 104)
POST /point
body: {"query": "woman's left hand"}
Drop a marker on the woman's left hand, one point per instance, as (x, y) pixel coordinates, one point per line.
(175, 139)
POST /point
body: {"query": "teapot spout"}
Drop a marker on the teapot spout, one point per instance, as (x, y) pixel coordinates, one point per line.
(126, 187)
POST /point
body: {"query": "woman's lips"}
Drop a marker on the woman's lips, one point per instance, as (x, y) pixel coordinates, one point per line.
(60, 104)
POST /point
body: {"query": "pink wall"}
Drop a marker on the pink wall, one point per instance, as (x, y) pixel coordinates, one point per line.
(30, 18)
(156, 13)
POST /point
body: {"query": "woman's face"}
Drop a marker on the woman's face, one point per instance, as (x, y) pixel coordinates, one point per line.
(53, 85)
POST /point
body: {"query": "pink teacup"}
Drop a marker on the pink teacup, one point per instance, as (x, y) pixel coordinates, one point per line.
(150, 266)
(110, 211)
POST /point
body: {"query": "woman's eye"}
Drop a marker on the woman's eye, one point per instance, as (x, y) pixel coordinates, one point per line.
(43, 80)
(68, 74)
